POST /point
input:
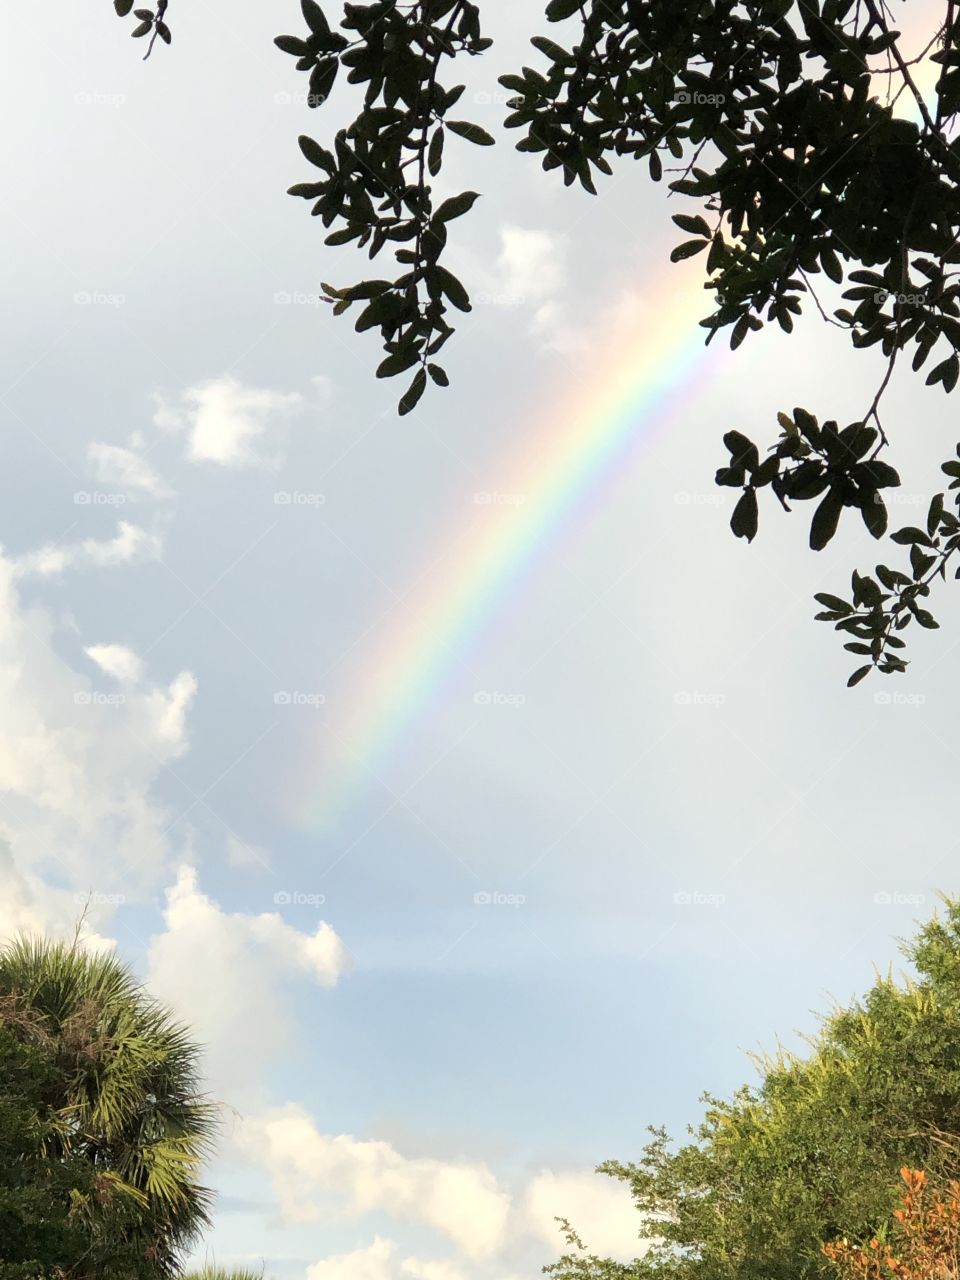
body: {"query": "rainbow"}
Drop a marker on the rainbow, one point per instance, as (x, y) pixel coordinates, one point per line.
(586, 440)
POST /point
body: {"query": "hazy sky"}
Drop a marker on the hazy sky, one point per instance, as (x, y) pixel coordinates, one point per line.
(472, 792)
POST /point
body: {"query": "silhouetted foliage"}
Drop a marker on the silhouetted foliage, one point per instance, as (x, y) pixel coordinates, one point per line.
(777, 119)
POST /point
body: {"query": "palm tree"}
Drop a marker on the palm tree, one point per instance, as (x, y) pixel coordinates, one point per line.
(128, 1102)
(210, 1272)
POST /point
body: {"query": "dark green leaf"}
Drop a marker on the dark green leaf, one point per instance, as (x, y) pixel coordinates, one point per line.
(745, 518)
(472, 132)
(825, 520)
(456, 206)
(413, 393)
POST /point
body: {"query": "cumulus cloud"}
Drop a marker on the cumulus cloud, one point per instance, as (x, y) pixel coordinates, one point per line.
(531, 265)
(131, 544)
(599, 1209)
(228, 976)
(379, 1261)
(225, 421)
(461, 1200)
(530, 271)
(116, 660)
(126, 470)
(28, 907)
(78, 764)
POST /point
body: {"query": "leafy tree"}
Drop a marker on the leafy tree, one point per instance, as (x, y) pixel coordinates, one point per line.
(810, 1155)
(212, 1272)
(778, 120)
(923, 1241)
(110, 1115)
(38, 1236)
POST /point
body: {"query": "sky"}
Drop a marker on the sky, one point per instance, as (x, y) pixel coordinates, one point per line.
(465, 785)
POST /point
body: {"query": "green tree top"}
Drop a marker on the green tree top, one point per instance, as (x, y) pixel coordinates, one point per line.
(117, 1121)
(812, 1153)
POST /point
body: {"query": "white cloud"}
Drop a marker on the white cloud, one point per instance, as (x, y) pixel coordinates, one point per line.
(557, 329)
(127, 470)
(78, 764)
(379, 1262)
(530, 272)
(531, 265)
(461, 1200)
(599, 1209)
(29, 907)
(117, 661)
(227, 976)
(225, 421)
(131, 544)
(169, 709)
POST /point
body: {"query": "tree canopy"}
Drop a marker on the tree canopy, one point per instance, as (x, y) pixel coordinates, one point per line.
(781, 122)
(812, 1154)
(102, 1122)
